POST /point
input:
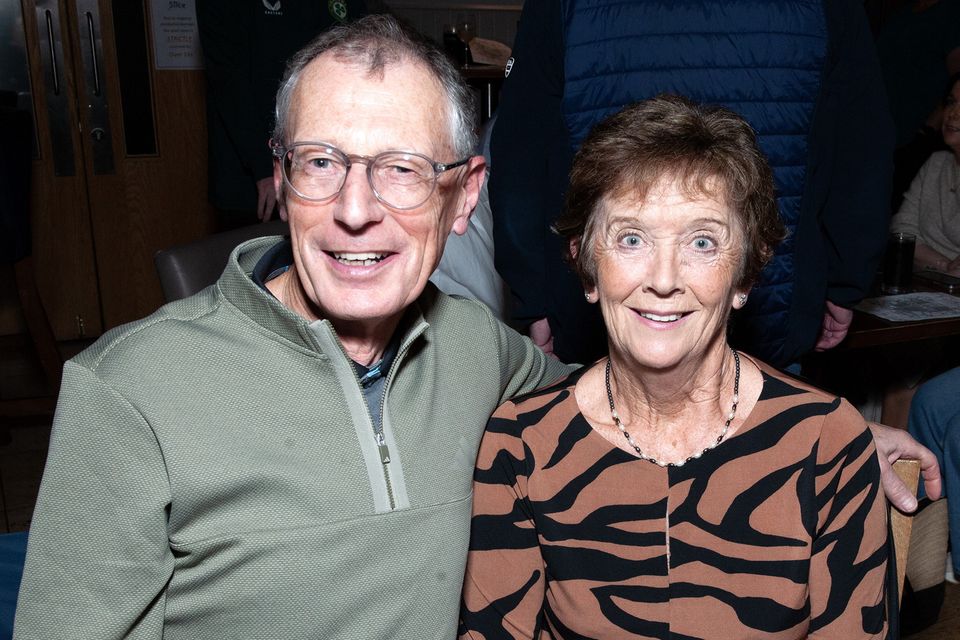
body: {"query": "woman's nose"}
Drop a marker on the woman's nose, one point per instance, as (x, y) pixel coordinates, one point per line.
(664, 270)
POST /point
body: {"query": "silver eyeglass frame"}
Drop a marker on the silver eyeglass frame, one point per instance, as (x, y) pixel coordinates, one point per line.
(280, 152)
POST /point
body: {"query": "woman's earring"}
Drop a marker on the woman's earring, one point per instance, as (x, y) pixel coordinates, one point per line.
(586, 294)
(743, 299)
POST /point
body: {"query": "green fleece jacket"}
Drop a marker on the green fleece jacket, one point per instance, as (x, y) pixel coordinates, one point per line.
(213, 473)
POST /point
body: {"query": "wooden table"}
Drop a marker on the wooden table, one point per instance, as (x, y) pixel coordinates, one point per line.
(870, 331)
(892, 357)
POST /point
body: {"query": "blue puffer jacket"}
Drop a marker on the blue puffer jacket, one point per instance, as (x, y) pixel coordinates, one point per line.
(803, 72)
(764, 65)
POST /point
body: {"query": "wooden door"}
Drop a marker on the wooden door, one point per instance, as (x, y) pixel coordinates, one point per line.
(62, 241)
(138, 137)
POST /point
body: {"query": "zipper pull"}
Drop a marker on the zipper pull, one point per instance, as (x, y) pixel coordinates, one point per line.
(382, 446)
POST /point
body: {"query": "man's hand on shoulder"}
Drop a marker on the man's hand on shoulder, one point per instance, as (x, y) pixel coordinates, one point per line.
(895, 444)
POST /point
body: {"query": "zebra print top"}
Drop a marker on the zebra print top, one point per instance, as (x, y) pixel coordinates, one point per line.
(778, 532)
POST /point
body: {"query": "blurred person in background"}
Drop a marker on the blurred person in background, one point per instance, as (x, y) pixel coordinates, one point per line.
(245, 48)
(931, 208)
(919, 49)
(935, 422)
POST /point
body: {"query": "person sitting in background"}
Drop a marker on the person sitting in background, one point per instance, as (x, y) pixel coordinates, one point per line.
(918, 45)
(935, 423)
(931, 208)
(677, 487)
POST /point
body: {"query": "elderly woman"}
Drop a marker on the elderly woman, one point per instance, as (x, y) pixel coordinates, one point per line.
(676, 488)
(931, 208)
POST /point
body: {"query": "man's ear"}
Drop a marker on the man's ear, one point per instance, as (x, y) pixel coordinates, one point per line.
(470, 185)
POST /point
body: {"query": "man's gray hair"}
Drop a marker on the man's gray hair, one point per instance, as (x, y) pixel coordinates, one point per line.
(374, 42)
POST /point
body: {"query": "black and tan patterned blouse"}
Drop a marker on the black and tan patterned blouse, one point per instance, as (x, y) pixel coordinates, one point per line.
(778, 532)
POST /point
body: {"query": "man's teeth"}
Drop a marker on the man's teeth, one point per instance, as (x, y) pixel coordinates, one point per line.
(354, 259)
(671, 318)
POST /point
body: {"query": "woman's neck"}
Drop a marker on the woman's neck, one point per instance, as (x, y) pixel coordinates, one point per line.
(664, 399)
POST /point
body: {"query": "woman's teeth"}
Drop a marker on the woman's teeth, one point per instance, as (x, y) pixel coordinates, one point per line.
(670, 318)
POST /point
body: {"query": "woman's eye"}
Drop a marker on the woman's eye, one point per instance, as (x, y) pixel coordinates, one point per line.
(630, 240)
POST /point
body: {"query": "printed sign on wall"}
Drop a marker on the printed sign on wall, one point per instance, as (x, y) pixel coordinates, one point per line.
(176, 41)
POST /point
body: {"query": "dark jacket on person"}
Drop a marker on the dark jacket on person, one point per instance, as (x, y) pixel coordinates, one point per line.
(803, 73)
(245, 49)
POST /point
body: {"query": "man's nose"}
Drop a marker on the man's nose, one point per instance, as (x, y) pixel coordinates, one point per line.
(357, 205)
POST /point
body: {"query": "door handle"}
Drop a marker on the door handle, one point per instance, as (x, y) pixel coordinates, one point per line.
(52, 52)
(98, 112)
(95, 64)
(57, 98)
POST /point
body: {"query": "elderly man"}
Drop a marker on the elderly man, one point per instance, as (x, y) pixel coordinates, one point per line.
(289, 453)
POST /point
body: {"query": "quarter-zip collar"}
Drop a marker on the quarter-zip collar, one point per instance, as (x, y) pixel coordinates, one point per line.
(375, 437)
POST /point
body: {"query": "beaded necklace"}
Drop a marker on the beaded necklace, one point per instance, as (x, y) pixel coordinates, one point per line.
(726, 425)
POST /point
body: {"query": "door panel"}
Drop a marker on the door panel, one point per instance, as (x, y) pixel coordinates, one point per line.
(123, 207)
(146, 203)
(62, 240)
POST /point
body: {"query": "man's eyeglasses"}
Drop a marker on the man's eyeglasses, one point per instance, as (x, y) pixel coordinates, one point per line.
(317, 171)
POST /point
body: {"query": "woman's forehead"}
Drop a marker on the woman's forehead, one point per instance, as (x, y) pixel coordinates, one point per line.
(630, 196)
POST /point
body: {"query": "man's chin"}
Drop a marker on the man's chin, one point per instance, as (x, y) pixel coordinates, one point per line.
(366, 301)
(363, 314)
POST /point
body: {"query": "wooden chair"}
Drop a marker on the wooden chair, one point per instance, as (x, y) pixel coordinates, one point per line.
(902, 523)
